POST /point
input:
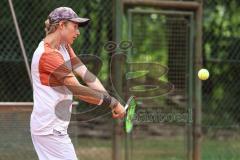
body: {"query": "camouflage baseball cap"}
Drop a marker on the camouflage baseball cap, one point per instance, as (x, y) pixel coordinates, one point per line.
(66, 13)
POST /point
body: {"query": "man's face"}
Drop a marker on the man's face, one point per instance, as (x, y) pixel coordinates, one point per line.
(70, 32)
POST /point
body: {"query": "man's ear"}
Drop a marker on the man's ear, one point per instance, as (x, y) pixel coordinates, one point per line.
(61, 24)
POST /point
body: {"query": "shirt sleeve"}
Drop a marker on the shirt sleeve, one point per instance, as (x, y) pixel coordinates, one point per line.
(54, 66)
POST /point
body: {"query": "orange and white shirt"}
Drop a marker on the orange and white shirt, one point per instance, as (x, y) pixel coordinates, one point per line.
(52, 101)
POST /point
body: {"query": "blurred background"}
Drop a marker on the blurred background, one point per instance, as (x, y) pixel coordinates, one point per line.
(195, 120)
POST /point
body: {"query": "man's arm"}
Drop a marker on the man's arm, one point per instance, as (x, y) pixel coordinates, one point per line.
(93, 96)
(85, 93)
(81, 70)
(89, 78)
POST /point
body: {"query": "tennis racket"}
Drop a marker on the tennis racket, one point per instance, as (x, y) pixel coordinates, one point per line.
(130, 108)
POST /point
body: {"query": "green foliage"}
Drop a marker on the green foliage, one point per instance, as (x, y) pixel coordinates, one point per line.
(221, 56)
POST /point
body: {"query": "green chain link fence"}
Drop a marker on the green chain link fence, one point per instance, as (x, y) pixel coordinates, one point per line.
(91, 139)
(221, 53)
(220, 93)
(162, 37)
(14, 86)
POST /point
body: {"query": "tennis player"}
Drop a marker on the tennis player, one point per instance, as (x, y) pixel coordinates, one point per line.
(54, 82)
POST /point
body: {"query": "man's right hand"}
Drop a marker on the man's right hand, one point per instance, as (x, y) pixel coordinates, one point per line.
(118, 111)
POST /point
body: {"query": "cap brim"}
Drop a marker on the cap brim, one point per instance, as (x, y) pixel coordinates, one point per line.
(82, 22)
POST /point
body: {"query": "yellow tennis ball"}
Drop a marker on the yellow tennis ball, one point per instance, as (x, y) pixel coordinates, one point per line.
(203, 74)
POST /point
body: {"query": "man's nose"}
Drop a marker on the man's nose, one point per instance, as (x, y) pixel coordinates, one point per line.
(78, 32)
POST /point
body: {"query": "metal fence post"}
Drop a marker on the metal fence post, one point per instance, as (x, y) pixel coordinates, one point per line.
(117, 79)
(197, 99)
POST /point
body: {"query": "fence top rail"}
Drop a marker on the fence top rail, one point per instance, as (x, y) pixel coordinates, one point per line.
(19, 106)
(147, 11)
(187, 5)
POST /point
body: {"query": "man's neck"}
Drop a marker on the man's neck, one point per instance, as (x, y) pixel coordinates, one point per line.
(53, 40)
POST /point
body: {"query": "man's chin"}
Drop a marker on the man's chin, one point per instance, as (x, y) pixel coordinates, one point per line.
(70, 42)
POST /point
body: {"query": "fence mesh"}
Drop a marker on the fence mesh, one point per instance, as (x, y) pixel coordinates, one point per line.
(151, 140)
(31, 16)
(220, 118)
(94, 140)
(162, 37)
(220, 93)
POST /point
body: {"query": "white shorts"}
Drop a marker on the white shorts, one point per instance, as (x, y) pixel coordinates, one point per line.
(54, 147)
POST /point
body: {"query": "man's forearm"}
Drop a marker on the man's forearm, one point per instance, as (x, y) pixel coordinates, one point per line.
(95, 93)
(97, 85)
(90, 79)
(88, 94)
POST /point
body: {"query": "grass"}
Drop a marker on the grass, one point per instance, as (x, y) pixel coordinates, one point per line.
(13, 147)
(220, 149)
(159, 149)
